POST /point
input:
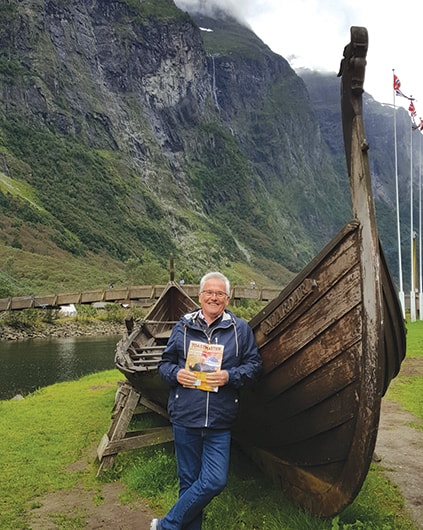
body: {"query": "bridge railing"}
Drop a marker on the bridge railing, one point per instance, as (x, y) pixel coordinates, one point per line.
(141, 293)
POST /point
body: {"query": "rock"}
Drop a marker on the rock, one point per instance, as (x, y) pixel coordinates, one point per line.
(70, 328)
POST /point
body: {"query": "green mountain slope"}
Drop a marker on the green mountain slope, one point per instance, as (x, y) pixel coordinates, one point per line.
(128, 134)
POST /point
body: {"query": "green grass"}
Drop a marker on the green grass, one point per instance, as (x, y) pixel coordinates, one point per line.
(19, 189)
(57, 426)
(250, 501)
(415, 339)
(408, 389)
(46, 432)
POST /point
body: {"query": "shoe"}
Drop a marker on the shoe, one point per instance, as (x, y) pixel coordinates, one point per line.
(155, 524)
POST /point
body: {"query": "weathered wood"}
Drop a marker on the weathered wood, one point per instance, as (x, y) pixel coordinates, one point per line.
(148, 350)
(326, 363)
(126, 402)
(155, 407)
(150, 336)
(146, 362)
(138, 439)
(129, 402)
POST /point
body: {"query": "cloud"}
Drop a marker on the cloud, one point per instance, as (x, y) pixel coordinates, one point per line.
(239, 10)
(312, 34)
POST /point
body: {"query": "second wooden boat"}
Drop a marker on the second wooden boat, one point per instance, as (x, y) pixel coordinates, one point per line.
(138, 353)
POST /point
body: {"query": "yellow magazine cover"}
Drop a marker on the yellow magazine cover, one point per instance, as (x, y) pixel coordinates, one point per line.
(203, 358)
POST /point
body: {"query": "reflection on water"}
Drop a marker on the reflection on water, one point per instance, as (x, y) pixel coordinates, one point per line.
(28, 365)
(67, 359)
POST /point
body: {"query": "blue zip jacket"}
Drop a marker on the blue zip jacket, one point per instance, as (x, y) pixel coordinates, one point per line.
(191, 407)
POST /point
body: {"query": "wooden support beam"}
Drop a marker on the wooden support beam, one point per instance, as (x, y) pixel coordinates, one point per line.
(137, 439)
(118, 439)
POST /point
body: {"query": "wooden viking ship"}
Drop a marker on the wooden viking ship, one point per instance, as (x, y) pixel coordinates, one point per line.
(330, 342)
(138, 353)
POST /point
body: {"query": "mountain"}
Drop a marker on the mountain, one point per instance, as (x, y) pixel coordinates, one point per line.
(379, 124)
(130, 131)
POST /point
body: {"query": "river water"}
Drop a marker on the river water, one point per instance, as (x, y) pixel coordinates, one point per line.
(28, 365)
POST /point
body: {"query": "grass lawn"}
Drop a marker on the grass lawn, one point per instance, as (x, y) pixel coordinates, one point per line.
(58, 425)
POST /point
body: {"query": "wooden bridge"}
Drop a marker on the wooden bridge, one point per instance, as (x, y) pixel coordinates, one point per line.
(142, 295)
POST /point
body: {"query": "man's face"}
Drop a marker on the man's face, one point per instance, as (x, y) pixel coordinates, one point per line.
(213, 298)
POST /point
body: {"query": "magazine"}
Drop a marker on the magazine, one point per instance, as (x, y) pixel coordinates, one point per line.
(203, 358)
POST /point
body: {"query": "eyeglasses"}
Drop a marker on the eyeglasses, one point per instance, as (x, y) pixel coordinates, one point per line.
(218, 294)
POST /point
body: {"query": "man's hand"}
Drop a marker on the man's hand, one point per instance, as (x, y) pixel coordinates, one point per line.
(219, 378)
(186, 378)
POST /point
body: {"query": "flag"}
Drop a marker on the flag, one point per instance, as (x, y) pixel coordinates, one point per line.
(398, 92)
(416, 126)
(413, 114)
(412, 110)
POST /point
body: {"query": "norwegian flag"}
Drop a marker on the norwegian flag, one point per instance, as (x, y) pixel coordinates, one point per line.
(412, 110)
(398, 92)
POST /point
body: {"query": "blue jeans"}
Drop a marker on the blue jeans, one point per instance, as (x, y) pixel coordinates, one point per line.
(203, 463)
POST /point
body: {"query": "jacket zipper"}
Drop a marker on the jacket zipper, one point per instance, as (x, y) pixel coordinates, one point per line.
(209, 337)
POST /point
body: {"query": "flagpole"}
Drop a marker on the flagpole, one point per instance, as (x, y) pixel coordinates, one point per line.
(412, 236)
(401, 288)
(420, 229)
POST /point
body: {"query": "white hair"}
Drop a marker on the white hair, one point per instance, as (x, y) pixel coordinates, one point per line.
(218, 275)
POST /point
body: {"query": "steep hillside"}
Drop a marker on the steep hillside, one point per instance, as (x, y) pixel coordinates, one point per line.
(127, 133)
(379, 123)
(267, 107)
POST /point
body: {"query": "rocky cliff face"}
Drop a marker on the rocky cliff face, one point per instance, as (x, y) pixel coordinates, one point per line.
(105, 74)
(140, 134)
(379, 123)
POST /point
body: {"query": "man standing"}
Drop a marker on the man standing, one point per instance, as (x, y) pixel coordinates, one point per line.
(201, 419)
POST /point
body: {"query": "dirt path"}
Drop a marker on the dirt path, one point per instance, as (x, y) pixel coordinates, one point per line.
(78, 505)
(399, 447)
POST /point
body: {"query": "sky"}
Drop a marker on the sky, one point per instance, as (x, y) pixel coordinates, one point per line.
(313, 33)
